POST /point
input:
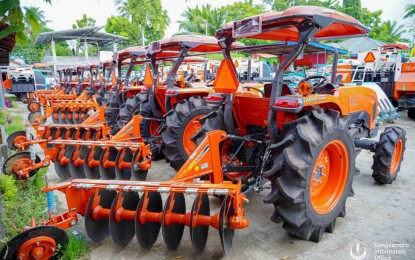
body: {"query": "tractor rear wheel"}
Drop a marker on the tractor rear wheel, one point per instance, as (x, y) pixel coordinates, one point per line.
(313, 171)
(182, 124)
(389, 155)
(33, 106)
(411, 113)
(148, 128)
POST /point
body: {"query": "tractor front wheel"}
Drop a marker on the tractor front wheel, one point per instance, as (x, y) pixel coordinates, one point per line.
(388, 155)
(316, 166)
(411, 113)
(182, 124)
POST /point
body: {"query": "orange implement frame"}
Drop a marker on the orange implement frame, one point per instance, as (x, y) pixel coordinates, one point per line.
(203, 162)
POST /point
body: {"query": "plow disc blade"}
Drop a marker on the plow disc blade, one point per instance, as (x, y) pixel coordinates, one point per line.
(97, 228)
(173, 233)
(199, 234)
(62, 117)
(91, 163)
(16, 137)
(226, 234)
(55, 117)
(123, 231)
(18, 162)
(75, 117)
(76, 162)
(107, 163)
(125, 155)
(136, 172)
(69, 117)
(63, 131)
(36, 117)
(148, 232)
(62, 169)
(36, 243)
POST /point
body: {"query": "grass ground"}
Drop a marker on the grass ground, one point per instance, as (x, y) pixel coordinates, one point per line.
(22, 200)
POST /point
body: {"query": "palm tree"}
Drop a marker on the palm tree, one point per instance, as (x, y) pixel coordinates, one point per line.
(392, 31)
(409, 10)
(194, 20)
(121, 7)
(40, 14)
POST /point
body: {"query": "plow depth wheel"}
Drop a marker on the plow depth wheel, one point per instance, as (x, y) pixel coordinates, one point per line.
(36, 117)
(39, 242)
(389, 155)
(15, 138)
(17, 162)
(314, 174)
(33, 106)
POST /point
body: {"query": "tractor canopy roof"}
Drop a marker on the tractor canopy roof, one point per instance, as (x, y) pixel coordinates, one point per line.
(41, 65)
(106, 63)
(125, 53)
(283, 26)
(284, 48)
(195, 43)
(82, 67)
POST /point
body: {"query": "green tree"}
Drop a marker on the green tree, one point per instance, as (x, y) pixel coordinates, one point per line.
(389, 32)
(121, 26)
(409, 11)
(196, 19)
(85, 21)
(281, 5)
(142, 16)
(12, 13)
(353, 8)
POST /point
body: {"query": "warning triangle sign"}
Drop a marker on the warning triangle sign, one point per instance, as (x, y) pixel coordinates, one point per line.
(148, 78)
(370, 57)
(226, 81)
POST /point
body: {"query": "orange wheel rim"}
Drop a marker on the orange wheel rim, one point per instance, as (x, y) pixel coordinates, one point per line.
(329, 177)
(34, 106)
(37, 248)
(19, 140)
(22, 164)
(396, 156)
(191, 129)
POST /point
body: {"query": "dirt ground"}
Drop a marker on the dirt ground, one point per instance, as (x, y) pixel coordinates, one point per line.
(380, 218)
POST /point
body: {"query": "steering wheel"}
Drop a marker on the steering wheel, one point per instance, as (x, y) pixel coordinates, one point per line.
(257, 89)
(318, 84)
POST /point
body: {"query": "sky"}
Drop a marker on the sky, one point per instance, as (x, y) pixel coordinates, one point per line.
(63, 13)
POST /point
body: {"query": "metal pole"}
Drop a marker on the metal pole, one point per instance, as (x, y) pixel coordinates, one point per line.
(86, 50)
(142, 36)
(54, 57)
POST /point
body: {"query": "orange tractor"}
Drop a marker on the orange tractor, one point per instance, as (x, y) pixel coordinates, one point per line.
(97, 126)
(124, 155)
(304, 144)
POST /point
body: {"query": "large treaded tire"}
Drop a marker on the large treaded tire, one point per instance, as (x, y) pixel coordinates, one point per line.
(295, 157)
(384, 152)
(177, 121)
(411, 113)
